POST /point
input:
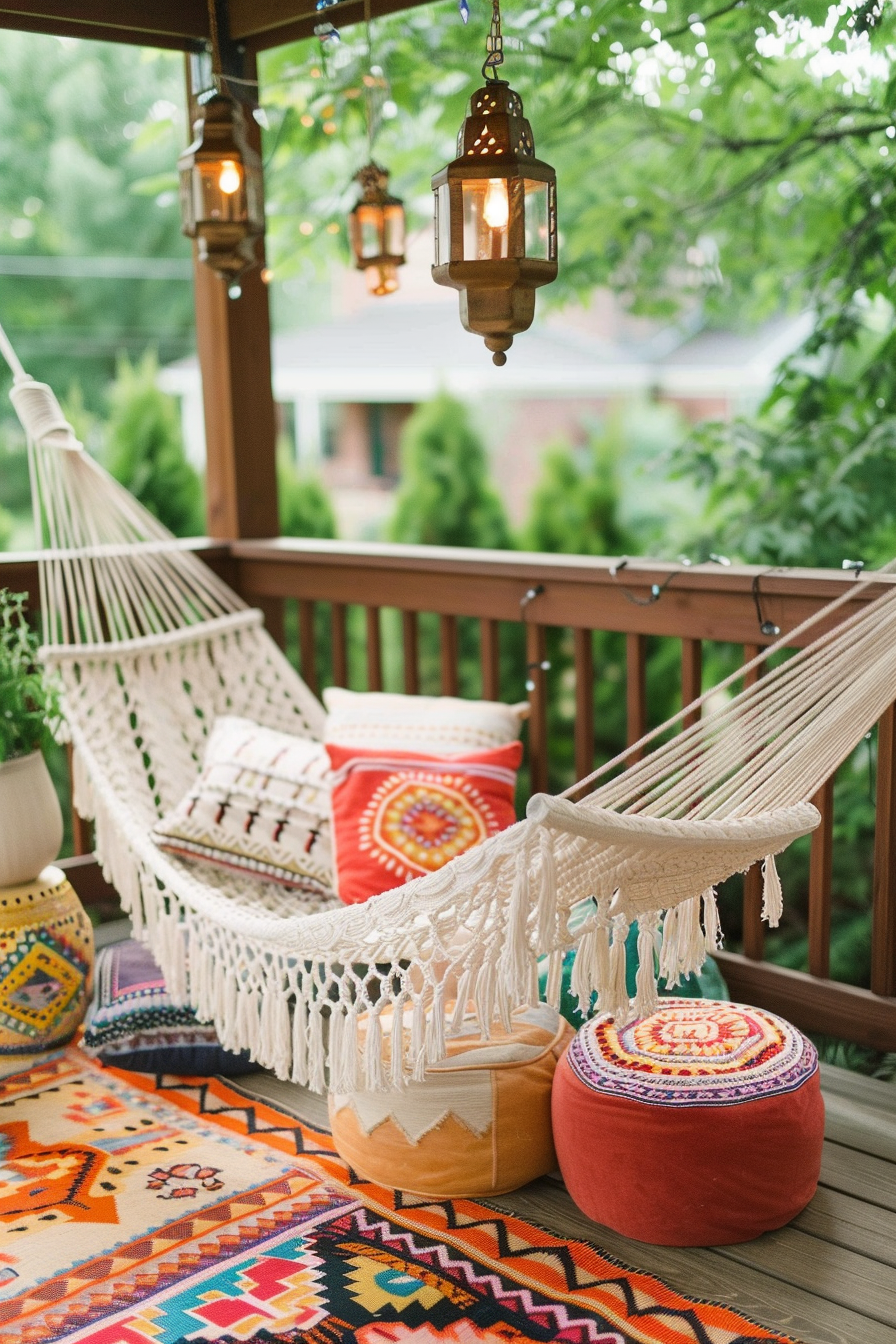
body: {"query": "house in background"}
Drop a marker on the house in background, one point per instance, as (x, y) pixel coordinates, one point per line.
(346, 386)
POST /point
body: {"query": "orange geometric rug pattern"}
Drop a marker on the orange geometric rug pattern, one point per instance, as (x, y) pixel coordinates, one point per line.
(571, 1271)
(136, 1210)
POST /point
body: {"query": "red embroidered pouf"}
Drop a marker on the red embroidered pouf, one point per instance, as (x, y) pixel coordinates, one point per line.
(700, 1125)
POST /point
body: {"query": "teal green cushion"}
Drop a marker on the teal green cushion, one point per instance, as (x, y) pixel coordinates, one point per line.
(708, 984)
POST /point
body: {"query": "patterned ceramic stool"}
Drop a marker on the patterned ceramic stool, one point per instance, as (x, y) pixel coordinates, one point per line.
(478, 1124)
(700, 1125)
(46, 967)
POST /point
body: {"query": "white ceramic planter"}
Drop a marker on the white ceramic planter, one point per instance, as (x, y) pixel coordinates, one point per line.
(30, 819)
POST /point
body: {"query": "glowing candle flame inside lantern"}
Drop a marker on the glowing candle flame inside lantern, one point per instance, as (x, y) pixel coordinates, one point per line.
(229, 179)
(496, 209)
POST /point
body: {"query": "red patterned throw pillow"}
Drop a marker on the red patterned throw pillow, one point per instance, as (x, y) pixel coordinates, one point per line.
(401, 814)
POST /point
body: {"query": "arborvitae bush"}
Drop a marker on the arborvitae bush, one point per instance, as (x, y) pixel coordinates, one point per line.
(144, 449)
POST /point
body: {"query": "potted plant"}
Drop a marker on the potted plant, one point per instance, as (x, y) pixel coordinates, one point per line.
(30, 816)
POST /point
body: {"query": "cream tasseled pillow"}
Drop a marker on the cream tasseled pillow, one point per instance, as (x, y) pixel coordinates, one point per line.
(440, 725)
(261, 805)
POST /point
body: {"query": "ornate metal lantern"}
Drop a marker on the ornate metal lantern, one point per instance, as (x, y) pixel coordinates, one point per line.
(495, 213)
(376, 231)
(221, 192)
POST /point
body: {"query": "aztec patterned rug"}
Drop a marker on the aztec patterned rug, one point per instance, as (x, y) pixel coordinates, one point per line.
(141, 1211)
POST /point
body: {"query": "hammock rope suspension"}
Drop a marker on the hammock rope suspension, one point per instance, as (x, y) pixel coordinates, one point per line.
(148, 646)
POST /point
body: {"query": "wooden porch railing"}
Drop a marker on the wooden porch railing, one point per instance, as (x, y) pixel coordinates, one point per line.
(540, 593)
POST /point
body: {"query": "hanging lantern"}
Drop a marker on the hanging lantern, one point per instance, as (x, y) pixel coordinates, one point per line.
(495, 213)
(376, 231)
(221, 194)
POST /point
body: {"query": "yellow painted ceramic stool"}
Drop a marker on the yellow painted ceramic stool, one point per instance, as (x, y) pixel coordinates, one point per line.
(46, 967)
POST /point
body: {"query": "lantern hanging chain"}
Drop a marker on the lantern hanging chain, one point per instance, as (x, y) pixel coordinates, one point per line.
(494, 44)
(368, 83)
(218, 75)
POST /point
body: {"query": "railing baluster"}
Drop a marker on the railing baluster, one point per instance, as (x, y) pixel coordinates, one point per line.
(490, 659)
(411, 647)
(536, 654)
(584, 727)
(448, 650)
(82, 830)
(691, 676)
(883, 918)
(635, 690)
(754, 929)
(307, 657)
(340, 644)
(820, 884)
(374, 650)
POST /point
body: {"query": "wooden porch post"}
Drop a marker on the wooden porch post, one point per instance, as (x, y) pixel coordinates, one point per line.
(233, 338)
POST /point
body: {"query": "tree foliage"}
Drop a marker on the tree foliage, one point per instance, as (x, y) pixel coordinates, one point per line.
(144, 449)
(89, 137)
(306, 509)
(809, 480)
(446, 497)
(574, 507)
(727, 161)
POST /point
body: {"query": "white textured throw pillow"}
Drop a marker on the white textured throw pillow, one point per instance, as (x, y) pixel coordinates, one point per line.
(440, 725)
(261, 805)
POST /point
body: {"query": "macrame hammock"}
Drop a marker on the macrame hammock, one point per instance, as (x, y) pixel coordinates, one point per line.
(148, 646)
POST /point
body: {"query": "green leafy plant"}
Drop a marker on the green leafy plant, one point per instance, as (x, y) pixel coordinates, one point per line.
(145, 451)
(446, 496)
(28, 703)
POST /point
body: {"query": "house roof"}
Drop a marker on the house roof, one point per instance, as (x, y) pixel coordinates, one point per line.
(406, 352)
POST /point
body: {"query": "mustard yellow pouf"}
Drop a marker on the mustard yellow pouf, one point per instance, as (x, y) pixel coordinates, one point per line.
(478, 1124)
(46, 967)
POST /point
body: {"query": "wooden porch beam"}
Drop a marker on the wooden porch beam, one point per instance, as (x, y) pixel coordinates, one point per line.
(262, 24)
(182, 24)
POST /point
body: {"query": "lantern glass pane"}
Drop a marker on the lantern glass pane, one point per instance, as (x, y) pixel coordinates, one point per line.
(219, 193)
(370, 230)
(538, 230)
(394, 230)
(486, 219)
(443, 225)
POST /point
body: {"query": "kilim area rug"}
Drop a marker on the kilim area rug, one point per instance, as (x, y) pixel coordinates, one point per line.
(141, 1211)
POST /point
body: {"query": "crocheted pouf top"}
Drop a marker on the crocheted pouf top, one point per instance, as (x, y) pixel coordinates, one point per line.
(700, 1125)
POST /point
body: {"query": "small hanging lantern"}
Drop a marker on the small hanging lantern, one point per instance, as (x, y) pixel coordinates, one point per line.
(495, 212)
(221, 194)
(376, 231)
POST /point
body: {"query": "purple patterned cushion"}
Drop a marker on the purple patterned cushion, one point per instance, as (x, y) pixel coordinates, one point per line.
(133, 1024)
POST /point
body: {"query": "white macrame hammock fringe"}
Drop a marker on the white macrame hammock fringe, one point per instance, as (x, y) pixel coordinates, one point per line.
(149, 646)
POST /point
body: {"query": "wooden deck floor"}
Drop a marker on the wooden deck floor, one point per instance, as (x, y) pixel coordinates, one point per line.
(827, 1278)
